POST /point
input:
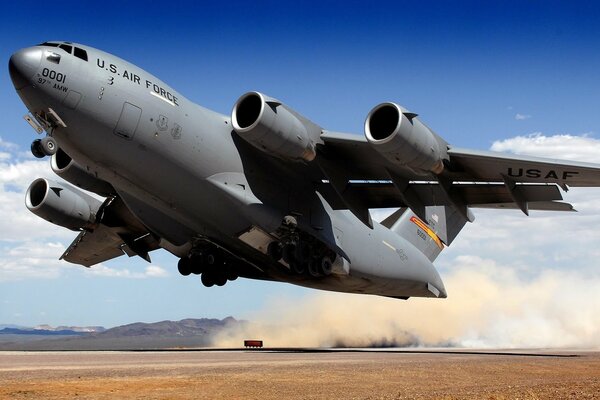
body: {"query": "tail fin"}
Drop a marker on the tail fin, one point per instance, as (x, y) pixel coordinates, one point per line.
(442, 226)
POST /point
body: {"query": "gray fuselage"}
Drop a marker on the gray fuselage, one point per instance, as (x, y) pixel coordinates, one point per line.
(184, 173)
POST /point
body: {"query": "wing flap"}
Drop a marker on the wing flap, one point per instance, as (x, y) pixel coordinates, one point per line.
(385, 194)
(117, 232)
(535, 205)
(90, 248)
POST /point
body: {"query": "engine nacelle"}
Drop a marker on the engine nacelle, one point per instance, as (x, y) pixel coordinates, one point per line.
(269, 125)
(60, 204)
(65, 167)
(398, 135)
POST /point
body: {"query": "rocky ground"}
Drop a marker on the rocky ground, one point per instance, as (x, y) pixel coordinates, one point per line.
(303, 375)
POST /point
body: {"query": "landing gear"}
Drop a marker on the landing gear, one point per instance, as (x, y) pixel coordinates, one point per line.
(36, 149)
(46, 146)
(184, 266)
(326, 266)
(304, 256)
(211, 263)
(49, 146)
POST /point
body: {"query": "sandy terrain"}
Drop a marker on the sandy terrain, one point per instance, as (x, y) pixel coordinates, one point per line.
(287, 375)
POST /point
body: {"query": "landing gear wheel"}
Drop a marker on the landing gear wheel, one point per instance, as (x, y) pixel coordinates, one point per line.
(313, 269)
(37, 149)
(207, 279)
(213, 258)
(230, 272)
(232, 276)
(184, 266)
(297, 268)
(220, 279)
(275, 251)
(49, 146)
(326, 266)
(289, 252)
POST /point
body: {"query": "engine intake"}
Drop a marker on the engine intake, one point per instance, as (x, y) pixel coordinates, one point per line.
(61, 204)
(269, 125)
(65, 167)
(398, 135)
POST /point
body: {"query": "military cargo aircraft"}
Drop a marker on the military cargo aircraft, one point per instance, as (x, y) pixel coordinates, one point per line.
(261, 194)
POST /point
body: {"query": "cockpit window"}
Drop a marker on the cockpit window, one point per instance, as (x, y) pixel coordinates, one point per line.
(53, 57)
(80, 53)
(67, 48)
(49, 44)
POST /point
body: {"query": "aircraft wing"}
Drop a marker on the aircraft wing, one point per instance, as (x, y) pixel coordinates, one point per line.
(117, 233)
(357, 177)
(487, 166)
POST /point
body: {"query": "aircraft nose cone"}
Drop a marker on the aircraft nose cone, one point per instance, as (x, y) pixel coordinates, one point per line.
(23, 65)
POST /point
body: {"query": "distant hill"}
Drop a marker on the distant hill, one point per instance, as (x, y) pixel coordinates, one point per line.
(2, 326)
(86, 329)
(184, 328)
(39, 332)
(139, 335)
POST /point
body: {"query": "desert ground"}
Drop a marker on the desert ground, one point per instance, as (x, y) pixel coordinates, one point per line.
(289, 374)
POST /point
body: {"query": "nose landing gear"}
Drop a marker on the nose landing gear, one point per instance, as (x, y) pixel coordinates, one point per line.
(46, 146)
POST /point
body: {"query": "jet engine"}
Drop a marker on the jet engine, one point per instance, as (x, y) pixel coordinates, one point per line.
(399, 136)
(61, 204)
(65, 167)
(269, 125)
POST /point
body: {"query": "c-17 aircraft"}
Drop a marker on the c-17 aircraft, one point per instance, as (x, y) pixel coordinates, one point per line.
(264, 193)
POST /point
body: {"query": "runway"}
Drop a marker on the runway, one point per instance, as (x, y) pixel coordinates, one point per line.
(300, 374)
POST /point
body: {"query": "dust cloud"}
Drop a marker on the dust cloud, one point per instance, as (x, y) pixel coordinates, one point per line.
(488, 306)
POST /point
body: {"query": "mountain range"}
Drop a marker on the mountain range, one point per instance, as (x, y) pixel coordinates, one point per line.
(136, 336)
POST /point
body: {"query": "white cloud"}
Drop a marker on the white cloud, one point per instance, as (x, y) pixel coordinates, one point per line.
(32, 260)
(521, 117)
(150, 271)
(17, 223)
(567, 147)
(30, 246)
(8, 145)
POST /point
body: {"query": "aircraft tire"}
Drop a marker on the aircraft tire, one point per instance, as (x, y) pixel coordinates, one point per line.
(49, 145)
(207, 279)
(213, 258)
(220, 279)
(275, 251)
(326, 266)
(183, 266)
(231, 274)
(36, 149)
(313, 269)
(288, 254)
(297, 268)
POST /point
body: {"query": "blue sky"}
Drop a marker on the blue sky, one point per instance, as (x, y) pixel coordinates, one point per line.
(478, 73)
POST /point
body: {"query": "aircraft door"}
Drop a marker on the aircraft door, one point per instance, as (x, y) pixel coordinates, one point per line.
(128, 121)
